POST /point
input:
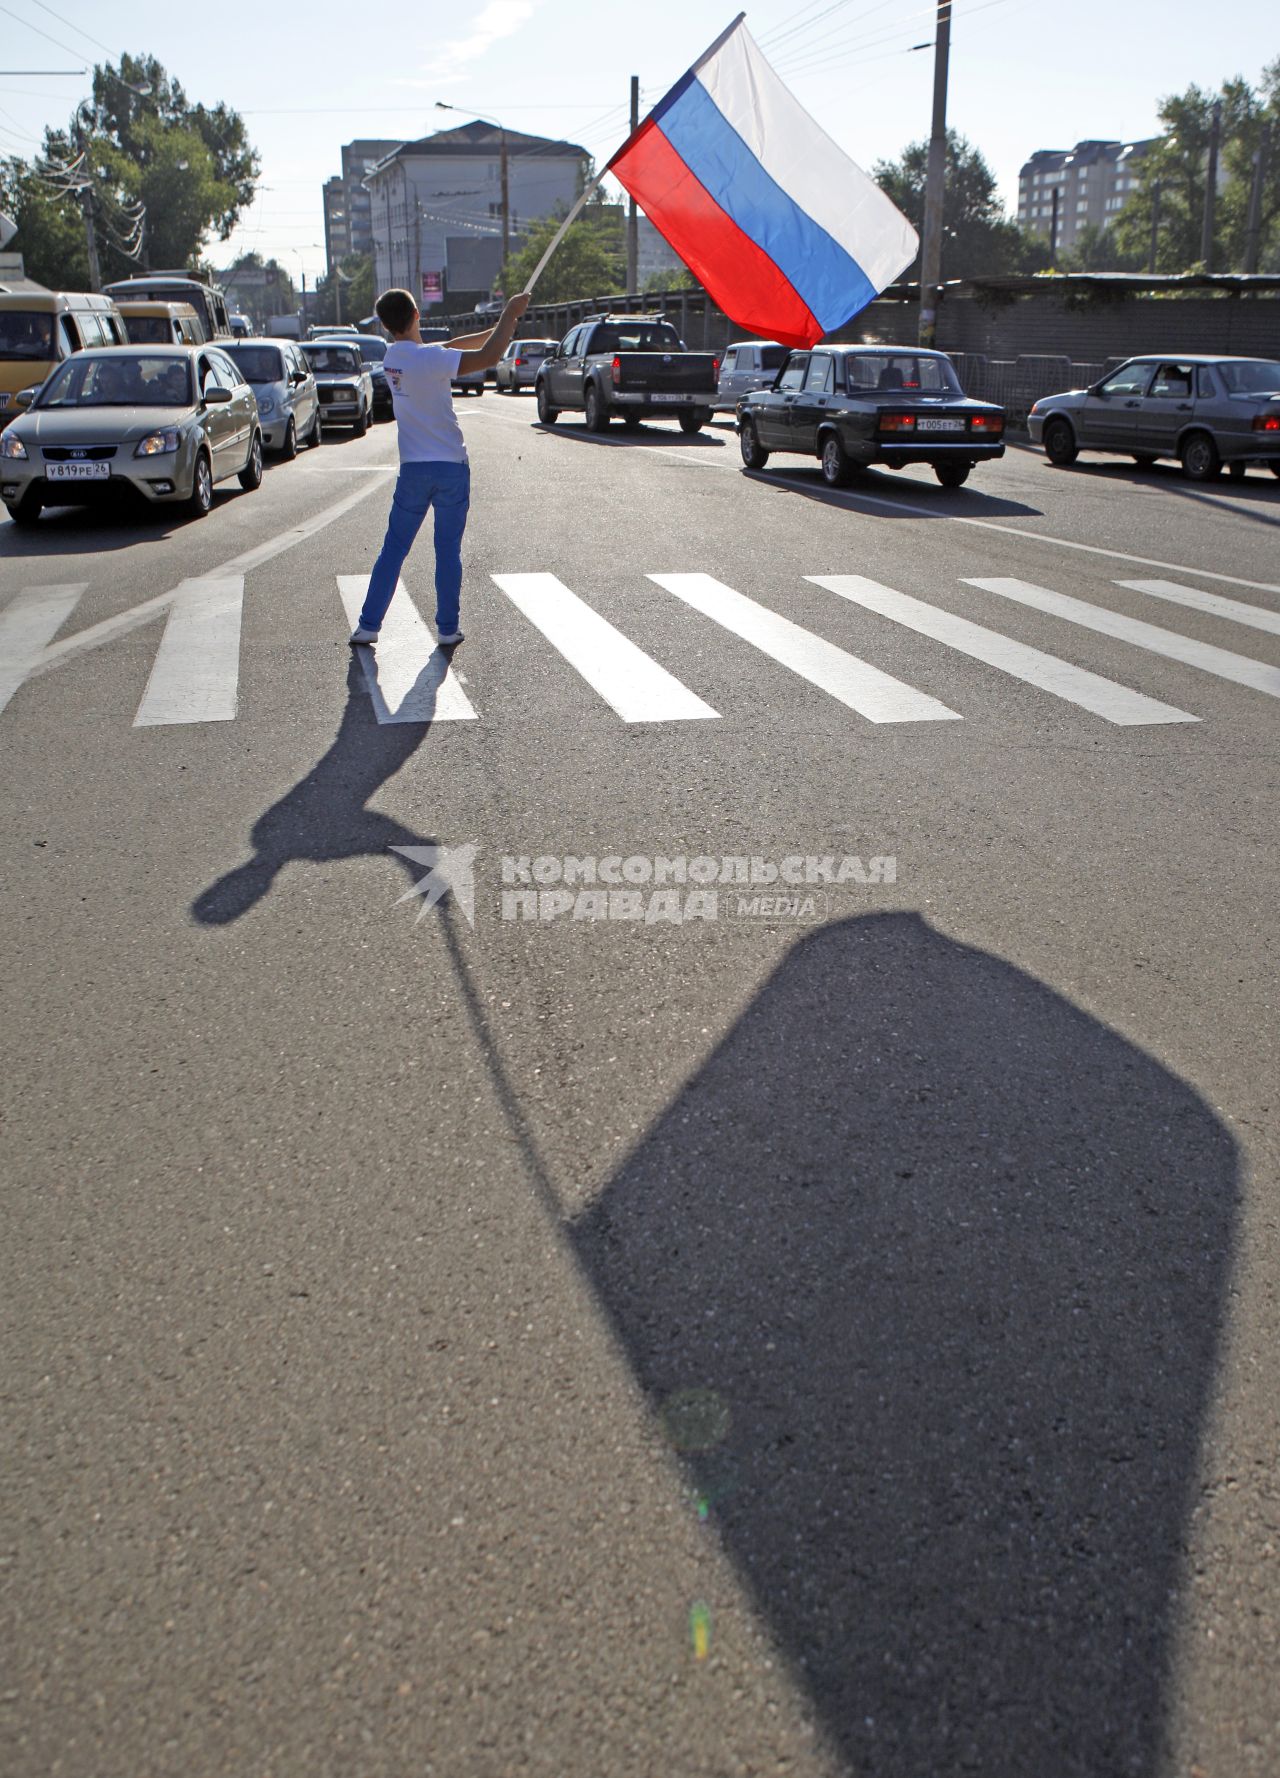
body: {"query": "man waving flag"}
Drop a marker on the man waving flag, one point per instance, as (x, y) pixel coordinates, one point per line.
(787, 234)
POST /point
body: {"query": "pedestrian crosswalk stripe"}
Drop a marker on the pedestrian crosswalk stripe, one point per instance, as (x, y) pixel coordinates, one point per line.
(27, 625)
(853, 682)
(1116, 703)
(1256, 616)
(196, 671)
(1219, 661)
(410, 678)
(628, 680)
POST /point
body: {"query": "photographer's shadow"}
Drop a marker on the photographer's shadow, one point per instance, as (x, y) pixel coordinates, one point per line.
(925, 1273)
(325, 816)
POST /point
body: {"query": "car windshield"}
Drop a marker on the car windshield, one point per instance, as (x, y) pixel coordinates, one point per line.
(1251, 376)
(900, 370)
(26, 333)
(622, 337)
(258, 364)
(120, 379)
(148, 330)
(333, 360)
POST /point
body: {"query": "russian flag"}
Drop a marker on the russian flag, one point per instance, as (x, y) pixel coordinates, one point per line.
(787, 234)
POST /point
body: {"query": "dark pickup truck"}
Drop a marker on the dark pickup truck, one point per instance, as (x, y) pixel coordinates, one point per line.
(627, 365)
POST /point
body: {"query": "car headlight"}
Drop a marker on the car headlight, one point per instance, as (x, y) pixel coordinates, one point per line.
(266, 405)
(11, 446)
(157, 444)
(1034, 408)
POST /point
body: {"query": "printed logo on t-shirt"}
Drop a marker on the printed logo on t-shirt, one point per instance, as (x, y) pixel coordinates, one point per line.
(393, 377)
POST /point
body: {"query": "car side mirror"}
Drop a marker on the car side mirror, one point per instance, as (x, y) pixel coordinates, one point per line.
(25, 397)
(1099, 391)
(216, 397)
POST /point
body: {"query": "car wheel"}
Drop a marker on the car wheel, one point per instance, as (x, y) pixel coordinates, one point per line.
(1200, 459)
(546, 413)
(754, 456)
(597, 414)
(952, 475)
(361, 425)
(315, 437)
(250, 476)
(201, 496)
(837, 471)
(1060, 443)
(690, 423)
(289, 449)
(25, 511)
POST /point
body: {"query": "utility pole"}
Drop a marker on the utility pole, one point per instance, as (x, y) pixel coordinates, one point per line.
(90, 237)
(1253, 230)
(633, 225)
(1211, 187)
(935, 183)
(1155, 225)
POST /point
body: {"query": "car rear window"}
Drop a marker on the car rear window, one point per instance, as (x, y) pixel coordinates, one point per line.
(772, 357)
(900, 370)
(258, 364)
(621, 338)
(1251, 376)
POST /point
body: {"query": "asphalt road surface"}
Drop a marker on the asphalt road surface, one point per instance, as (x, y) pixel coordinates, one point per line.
(666, 1325)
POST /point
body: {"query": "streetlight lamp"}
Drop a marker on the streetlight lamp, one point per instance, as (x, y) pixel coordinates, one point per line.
(506, 212)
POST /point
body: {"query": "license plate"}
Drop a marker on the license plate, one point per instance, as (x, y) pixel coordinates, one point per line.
(659, 395)
(77, 472)
(934, 423)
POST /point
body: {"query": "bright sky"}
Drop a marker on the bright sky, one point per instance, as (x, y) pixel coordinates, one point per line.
(1025, 74)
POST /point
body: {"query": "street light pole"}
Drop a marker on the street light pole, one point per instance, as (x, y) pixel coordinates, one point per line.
(935, 183)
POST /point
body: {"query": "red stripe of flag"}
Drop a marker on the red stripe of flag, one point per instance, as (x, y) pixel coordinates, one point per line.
(737, 274)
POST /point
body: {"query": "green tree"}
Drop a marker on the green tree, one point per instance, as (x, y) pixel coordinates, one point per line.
(163, 175)
(1173, 175)
(355, 274)
(1096, 249)
(978, 238)
(679, 279)
(590, 261)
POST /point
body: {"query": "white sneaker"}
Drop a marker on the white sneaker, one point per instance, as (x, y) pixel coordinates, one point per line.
(449, 638)
(360, 634)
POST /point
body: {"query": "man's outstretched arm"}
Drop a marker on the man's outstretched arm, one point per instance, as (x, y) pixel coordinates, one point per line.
(486, 355)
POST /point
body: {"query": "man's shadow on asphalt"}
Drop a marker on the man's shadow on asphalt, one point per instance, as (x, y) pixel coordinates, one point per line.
(325, 816)
(924, 1273)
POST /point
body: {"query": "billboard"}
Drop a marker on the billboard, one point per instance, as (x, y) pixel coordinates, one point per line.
(432, 288)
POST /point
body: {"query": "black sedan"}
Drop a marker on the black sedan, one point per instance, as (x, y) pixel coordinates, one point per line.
(851, 406)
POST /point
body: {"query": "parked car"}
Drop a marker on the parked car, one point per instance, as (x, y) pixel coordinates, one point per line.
(851, 406)
(320, 330)
(164, 422)
(41, 328)
(241, 327)
(161, 323)
(748, 365)
(284, 387)
(471, 382)
(177, 287)
(629, 365)
(1203, 409)
(518, 366)
(373, 349)
(343, 383)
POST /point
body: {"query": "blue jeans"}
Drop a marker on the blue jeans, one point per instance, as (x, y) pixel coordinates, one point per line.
(447, 487)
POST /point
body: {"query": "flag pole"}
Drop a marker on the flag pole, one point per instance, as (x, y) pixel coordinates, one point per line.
(595, 184)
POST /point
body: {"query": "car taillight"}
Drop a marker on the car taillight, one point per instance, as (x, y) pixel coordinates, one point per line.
(1266, 423)
(519, 362)
(987, 423)
(617, 372)
(715, 367)
(897, 422)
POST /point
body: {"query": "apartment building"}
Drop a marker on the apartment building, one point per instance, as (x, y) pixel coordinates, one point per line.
(1092, 182)
(347, 226)
(436, 206)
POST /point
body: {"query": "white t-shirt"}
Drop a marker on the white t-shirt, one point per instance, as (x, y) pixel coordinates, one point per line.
(422, 396)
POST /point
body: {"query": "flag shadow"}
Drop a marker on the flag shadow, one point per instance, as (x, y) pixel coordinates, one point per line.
(325, 816)
(924, 1273)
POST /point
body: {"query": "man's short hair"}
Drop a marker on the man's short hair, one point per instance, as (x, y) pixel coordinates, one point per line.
(396, 310)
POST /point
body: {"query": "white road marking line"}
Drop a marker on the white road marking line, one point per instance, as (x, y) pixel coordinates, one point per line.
(1256, 616)
(873, 694)
(26, 624)
(133, 619)
(716, 460)
(1115, 703)
(197, 666)
(628, 680)
(1219, 661)
(350, 469)
(409, 676)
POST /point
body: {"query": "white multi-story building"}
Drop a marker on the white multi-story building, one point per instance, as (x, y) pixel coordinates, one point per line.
(436, 206)
(1092, 182)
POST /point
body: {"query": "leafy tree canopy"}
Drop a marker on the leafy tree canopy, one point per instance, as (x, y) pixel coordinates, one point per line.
(978, 238)
(590, 261)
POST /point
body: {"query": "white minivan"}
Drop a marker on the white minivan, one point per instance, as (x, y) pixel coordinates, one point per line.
(285, 389)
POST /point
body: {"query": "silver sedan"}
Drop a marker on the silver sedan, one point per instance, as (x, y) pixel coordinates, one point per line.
(163, 422)
(1203, 410)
